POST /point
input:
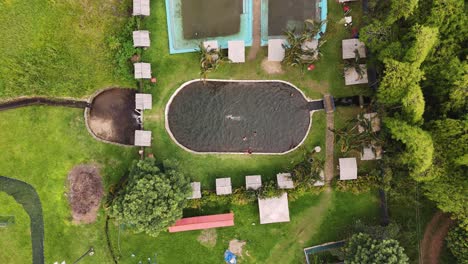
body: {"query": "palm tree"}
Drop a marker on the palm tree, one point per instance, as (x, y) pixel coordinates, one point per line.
(354, 64)
(296, 52)
(210, 59)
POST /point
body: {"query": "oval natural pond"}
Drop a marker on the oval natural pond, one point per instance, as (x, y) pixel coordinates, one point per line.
(259, 117)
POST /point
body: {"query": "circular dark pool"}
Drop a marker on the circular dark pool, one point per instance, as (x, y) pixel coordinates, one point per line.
(112, 116)
(238, 116)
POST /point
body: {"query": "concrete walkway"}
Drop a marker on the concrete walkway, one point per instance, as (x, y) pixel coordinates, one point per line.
(257, 30)
(329, 145)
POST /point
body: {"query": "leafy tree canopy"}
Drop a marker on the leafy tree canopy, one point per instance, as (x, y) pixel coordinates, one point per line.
(400, 9)
(425, 38)
(362, 249)
(153, 199)
(457, 242)
(419, 149)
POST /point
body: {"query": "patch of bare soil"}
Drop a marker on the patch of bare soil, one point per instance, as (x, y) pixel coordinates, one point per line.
(85, 193)
(434, 237)
(208, 237)
(235, 246)
(272, 67)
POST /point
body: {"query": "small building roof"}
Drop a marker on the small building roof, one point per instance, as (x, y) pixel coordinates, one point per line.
(141, 7)
(211, 45)
(253, 182)
(351, 76)
(371, 153)
(141, 38)
(196, 190)
(142, 138)
(223, 186)
(274, 210)
(202, 222)
(143, 101)
(142, 70)
(350, 45)
(236, 51)
(374, 120)
(348, 168)
(276, 49)
(321, 182)
(284, 181)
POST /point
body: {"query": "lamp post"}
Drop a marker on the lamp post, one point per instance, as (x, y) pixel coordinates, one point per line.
(90, 252)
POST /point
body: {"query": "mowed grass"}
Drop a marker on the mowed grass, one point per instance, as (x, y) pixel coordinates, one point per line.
(40, 145)
(58, 48)
(311, 223)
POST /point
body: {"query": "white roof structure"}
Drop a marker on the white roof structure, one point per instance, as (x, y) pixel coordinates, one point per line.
(351, 76)
(223, 186)
(348, 20)
(143, 101)
(274, 210)
(371, 153)
(348, 169)
(275, 49)
(321, 182)
(236, 51)
(141, 7)
(196, 190)
(350, 45)
(253, 182)
(211, 45)
(373, 119)
(142, 138)
(345, 1)
(310, 45)
(141, 38)
(142, 70)
(284, 181)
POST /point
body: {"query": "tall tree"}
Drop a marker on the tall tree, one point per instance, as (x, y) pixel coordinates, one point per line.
(400, 9)
(425, 38)
(362, 249)
(153, 199)
(418, 148)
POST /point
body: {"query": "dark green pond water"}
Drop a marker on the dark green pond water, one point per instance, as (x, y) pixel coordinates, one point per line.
(256, 117)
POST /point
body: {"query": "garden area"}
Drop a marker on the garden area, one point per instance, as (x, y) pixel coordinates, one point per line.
(90, 49)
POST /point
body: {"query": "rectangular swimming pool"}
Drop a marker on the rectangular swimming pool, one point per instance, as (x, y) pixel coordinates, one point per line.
(190, 22)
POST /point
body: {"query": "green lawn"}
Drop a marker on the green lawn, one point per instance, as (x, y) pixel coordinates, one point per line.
(58, 48)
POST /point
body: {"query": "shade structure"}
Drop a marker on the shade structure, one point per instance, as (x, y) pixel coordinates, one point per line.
(284, 181)
(196, 190)
(371, 153)
(142, 138)
(142, 70)
(276, 49)
(202, 222)
(274, 210)
(223, 186)
(350, 45)
(141, 7)
(253, 182)
(211, 45)
(310, 46)
(236, 51)
(143, 101)
(374, 121)
(348, 168)
(141, 38)
(352, 77)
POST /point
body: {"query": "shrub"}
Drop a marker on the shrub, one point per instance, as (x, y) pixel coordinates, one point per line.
(457, 242)
(121, 45)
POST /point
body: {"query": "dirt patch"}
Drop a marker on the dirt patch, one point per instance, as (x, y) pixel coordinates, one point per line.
(85, 193)
(208, 237)
(112, 116)
(434, 237)
(235, 246)
(272, 67)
